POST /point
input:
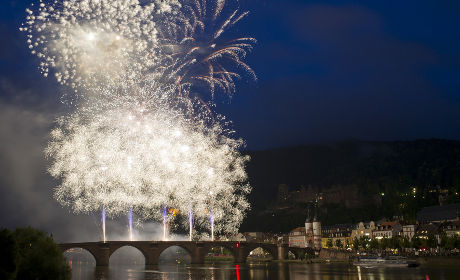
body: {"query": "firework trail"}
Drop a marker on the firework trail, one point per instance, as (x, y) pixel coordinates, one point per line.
(211, 222)
(165, 219)
(190, 220)
(130, 223)
(103, 223)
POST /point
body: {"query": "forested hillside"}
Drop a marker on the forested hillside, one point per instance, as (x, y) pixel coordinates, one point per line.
(407, 175)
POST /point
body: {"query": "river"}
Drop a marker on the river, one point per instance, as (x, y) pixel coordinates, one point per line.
(268, 270)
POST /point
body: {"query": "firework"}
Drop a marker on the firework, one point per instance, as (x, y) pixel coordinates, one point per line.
(194, 50)
(92, 43)
(147, 160)
(140, 138)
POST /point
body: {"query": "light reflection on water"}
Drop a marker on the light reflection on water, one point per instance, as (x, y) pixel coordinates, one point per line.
(127, 263)
(273, 270)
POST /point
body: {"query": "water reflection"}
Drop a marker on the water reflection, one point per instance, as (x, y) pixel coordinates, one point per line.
(272, 270)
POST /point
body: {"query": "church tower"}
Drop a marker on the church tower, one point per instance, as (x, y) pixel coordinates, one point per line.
(309, 229)
(316, 230)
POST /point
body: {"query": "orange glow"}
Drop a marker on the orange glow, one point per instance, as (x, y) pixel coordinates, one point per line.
(173, 211)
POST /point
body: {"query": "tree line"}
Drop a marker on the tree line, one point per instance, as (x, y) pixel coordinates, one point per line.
(27, 253)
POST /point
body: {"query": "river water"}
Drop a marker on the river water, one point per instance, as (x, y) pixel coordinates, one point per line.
(268, 270)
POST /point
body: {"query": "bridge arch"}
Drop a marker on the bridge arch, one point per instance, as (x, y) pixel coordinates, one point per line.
(98, 252)
(176, 245)
(74, 251)
(229, 247)
(293, 253)
(167, 251)
(116, 251)
(261, 252)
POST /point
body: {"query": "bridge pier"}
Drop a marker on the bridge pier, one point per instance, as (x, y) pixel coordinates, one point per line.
(102, 256)
(241, 253)
(282, 252)
(152, 255)
(197, 254)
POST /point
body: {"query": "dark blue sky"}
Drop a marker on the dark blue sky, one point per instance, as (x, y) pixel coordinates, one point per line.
(328, 70)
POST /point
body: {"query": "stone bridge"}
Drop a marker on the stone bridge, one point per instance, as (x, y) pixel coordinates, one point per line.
(151, 250)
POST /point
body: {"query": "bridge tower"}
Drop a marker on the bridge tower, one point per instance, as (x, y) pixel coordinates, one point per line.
(309, 229)
(316, 230)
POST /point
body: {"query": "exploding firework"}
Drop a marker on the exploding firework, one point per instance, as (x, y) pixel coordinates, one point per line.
(139, 140)
(146, 160)
(92, 43)
(113, 44)
(194, 50)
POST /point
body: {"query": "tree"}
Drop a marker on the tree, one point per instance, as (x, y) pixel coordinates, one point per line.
(405, 242)
(444, 240)
(356, 243)
(339, 244)
(456, 241)
(374, 244)
(432, 242)
(385, 243)
(416, 243)
(329, 243)
(40, 256)
(9, 255)
(395, 242)
(364, 242)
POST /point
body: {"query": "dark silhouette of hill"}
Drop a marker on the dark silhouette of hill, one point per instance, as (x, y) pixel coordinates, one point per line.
(389, 169)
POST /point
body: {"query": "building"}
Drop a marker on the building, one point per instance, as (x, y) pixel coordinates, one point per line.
(387, 230)
(340, 232)
(408, 231)
(347, 195)
(310, 235)
(363, 229)
(439, 214)
(298, 238)
(237, 237)
(260, 237)
(451, 228)
(424, 231)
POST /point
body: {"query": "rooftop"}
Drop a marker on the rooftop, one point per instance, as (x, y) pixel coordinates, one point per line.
(439, 213)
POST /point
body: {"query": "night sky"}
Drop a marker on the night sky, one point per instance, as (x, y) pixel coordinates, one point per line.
(327, 71)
